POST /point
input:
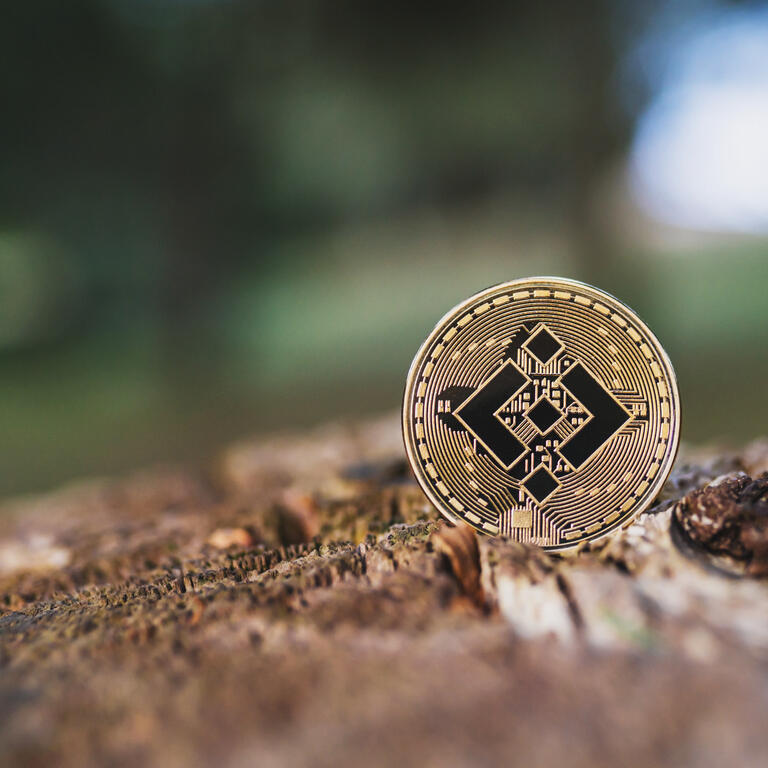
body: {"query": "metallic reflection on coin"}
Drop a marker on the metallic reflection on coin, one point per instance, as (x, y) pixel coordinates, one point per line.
(543, 410)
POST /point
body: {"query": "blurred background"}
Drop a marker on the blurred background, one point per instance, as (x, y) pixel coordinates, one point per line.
(219, 218)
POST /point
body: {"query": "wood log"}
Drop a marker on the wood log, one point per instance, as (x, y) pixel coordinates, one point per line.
(302, 604)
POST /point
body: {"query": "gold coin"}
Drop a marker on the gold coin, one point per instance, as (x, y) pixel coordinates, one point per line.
(543, 410)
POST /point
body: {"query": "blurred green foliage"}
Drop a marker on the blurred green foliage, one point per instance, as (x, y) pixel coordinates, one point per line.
(219, 216)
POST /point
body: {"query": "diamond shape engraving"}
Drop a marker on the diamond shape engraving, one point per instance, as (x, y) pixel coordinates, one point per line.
(608, 415)
(543, 345)
(543, 414)
(479, 414)
(541, 484)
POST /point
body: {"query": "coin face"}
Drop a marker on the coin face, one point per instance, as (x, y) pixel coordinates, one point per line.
(541, 409)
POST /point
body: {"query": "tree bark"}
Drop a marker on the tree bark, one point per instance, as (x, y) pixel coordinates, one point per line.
(302, 604)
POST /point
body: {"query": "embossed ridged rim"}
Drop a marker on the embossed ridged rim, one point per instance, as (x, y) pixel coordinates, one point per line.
(606, 307)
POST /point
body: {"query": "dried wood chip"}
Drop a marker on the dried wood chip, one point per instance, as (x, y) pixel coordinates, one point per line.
(224, 538)
(729, 519)
(459, 546)
(297, 518)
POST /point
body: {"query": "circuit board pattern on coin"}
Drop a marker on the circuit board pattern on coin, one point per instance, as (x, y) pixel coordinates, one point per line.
(543, 410)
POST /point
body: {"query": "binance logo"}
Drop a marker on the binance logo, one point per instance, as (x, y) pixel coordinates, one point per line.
(572, 416)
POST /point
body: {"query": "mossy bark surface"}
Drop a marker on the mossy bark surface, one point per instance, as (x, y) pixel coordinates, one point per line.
(300, 603)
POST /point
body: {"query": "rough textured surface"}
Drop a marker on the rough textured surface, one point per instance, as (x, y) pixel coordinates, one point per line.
(303, 605)
(729, 522)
